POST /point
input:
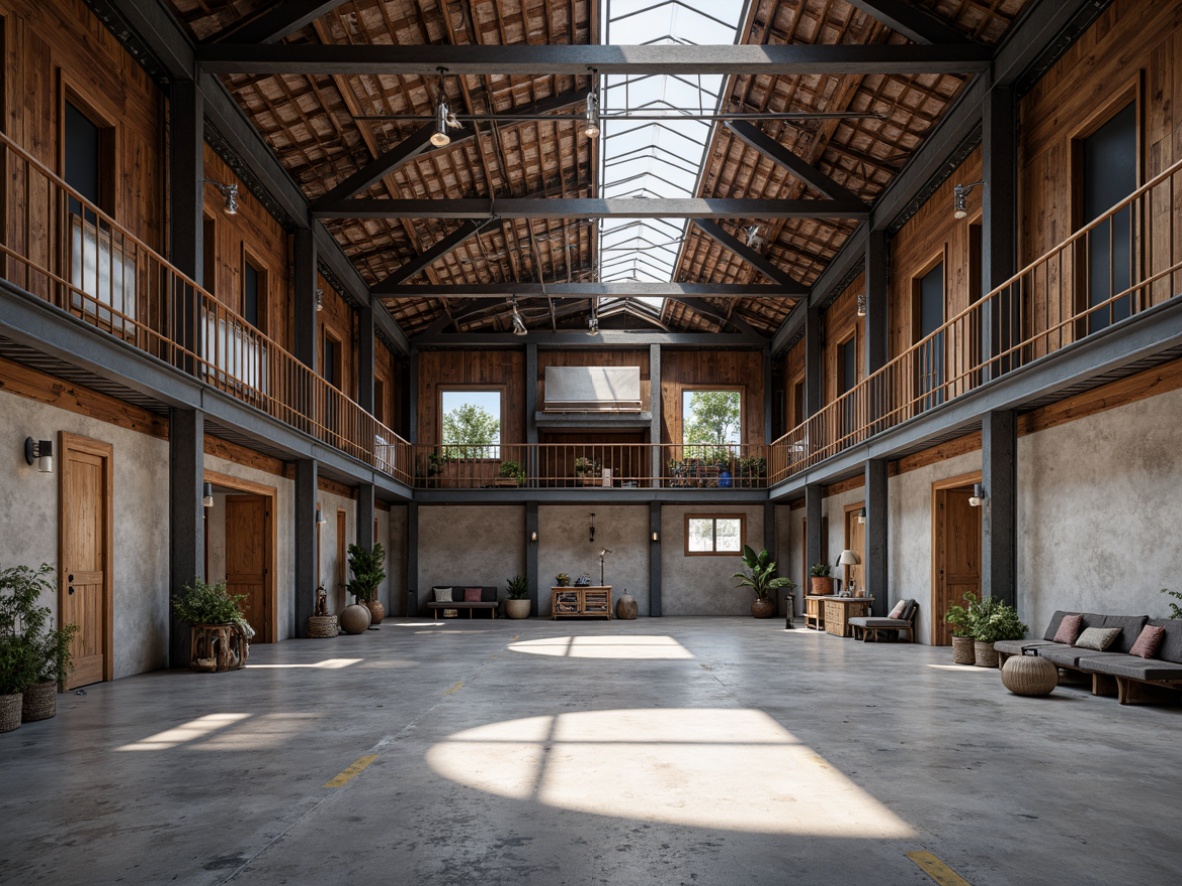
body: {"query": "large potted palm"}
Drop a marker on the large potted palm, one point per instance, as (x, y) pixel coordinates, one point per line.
(368, 575)
(517, 597)
(762, 580)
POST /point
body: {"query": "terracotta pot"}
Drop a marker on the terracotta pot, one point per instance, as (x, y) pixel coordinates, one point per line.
(517, 608)
(962, 651)
(355, 619)
(821, 586)
(985, 654)
(765, 608)
(376, 610)
(40, 702)
(10, 712)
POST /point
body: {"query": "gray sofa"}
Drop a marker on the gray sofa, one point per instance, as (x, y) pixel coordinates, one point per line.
(1115, 671)
(489, 600)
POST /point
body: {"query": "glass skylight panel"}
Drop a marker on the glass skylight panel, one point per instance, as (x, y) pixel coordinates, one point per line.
(655, 158)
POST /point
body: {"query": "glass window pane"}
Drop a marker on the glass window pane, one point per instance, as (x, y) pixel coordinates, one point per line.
(471, 423)
(701, 535)
(728, 534)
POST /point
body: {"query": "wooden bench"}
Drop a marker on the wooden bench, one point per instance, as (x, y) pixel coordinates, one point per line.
(462, 604)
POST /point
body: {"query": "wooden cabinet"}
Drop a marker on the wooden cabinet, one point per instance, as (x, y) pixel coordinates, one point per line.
(814, 612)
(591, 602)
(839, 611)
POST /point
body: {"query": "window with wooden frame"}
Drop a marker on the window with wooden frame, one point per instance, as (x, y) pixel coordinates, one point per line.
(714, 534)
(1106, 168)
(847, 379)
(470, 421)
(712, 423)
(255, 284)
(927, 306)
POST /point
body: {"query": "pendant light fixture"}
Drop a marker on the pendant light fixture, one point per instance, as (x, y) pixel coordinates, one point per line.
(591, 116)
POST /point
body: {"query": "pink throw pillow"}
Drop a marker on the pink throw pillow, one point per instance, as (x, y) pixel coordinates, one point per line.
(1069, 629)
(472, 595)
(897, 612)
(1148, 641)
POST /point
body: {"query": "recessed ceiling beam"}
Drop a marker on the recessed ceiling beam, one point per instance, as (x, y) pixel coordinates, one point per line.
(277, 22)
(700, 306)
(715, 231)
(756, 138)
(592, 207)
(399, 155)
(913, 23)
(467, 60)
(584, 290)
(425, 259)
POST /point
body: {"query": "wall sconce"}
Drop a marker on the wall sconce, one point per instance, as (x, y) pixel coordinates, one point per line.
(319, 299)
(978, 497)
(862, 305)
(592, 538)
(862, 516)
(320, 521)
(656, 536)
(533, 537)
(230, 192)
(40, 451)
(960, 195)
(207, 495)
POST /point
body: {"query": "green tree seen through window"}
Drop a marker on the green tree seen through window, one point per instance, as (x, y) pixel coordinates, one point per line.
(469, 429)
(711, 418)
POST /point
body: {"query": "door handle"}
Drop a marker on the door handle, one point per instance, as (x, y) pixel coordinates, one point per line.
(70, 577)
(70, 589)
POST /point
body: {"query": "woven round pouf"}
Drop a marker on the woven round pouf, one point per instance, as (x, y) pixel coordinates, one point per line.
(355, 619)
(1029, 675)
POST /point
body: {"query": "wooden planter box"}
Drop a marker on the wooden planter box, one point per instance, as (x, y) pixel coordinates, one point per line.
(217, 648)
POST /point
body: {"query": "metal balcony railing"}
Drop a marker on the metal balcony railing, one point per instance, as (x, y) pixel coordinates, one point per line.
(58, 246)
(1124, 262)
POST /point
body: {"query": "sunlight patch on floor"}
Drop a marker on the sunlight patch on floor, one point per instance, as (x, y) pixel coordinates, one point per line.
(330, 664)
(630, 647)
(713, 768)
(186, 733)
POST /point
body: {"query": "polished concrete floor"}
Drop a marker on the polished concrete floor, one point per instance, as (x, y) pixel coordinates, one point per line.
(658, 751)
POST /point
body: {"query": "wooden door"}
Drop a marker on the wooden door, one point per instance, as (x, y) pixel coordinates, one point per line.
(956, 555)
(342, 559)
(247, 558)
(85, 539)
(855, 540)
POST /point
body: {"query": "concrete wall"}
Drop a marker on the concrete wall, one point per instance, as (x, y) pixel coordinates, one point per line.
(1099, 512)
(702, 585)
(465, 545)
(395, 600)
(564, 545)
(331, 567)
(29, 501)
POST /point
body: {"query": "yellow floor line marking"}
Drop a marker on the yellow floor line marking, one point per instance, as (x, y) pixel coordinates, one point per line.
(455, 688)
(352, 772)
(937, 870)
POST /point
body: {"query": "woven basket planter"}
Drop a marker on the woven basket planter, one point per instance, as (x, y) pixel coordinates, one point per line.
(763, 608)
(10, 712)
(962, 651)
(323, 627)
(984, 654)
(40, 702)
(1029, 675)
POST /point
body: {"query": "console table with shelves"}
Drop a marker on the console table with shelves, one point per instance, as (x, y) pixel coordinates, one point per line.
(593, 601)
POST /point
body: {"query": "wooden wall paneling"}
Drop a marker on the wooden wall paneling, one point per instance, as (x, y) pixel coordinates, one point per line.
(683, 369)
(840, 321)
(471, 368)
(598, 357)
(241, 455)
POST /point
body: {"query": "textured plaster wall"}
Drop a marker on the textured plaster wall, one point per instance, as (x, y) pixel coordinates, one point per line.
(331, 568)
(702, 585)
(1099, 511)
(464, 545)
(284, 517)
(564, 546)
(910, 534)
(29, 501)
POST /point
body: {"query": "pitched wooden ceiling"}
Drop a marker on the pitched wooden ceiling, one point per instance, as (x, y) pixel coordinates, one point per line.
(325, 127)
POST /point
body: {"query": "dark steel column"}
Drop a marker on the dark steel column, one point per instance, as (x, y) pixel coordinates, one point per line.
(812, 361)
(307, 537)
(531, 555)
(365, 515)
(654, 427)
(365, 357)
(412, 559)
(186, 159)
(877, 534)
(999, 517)
(814, 542)
(1002, 319)
(186, 516)
(304, 298)
(530, 462)
(654, 559)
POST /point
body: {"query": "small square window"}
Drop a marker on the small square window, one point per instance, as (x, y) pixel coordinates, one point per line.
(715, 534)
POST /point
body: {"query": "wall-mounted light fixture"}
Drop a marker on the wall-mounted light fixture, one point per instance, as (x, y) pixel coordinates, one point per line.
(862, 515)
(533, 536)
(207, 495)
(230, 192)
(960, 195)
(862, 304)
(320, 521)
(656, 536)
(592, 538)
(40, 451)
(319, 299)
(978, 497)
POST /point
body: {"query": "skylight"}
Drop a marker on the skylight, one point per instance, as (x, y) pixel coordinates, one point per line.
(655, 158)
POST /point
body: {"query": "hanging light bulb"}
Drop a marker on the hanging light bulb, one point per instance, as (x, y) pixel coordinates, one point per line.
(439, 137)
(591, 116)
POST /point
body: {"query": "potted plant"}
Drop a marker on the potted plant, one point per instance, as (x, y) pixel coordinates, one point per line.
(820, 584)
(219, 634)
(960, 620)
(993, 620)
(751, 469)
(588, 471)
(762, 580)
(55, 661)
(21, 621)
(510, 474)
(562, 580)
(517, 597)
(368, 574)
(436, 461)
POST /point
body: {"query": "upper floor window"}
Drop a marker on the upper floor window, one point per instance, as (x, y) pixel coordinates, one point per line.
(928, 302)
(713, 420)
(330, 356)
(471, 422)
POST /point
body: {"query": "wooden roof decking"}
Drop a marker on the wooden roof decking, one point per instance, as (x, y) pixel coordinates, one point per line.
(326, 127)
